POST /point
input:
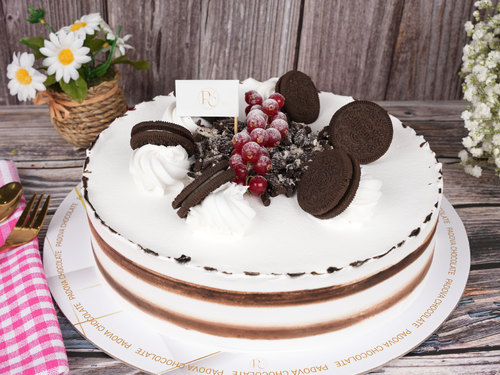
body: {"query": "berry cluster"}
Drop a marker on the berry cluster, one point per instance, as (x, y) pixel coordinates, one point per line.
(265, 127)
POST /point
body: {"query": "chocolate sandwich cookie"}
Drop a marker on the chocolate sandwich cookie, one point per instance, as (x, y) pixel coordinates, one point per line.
(301, 96)
(161, 133)
(196, 191)
(363, 129)
(329, 184)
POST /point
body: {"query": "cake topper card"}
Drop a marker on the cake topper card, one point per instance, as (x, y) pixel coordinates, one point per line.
(211, 98)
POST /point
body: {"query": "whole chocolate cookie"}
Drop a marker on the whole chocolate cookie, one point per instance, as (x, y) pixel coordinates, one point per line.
(301, 96)
(325, 182)
(363, 129)
(161, 133)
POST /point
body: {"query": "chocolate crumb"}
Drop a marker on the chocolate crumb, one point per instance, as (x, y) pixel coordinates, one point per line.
(296, 274)
(401, 243)
(415, 232)
(358, 263)
(332, 269)
(428, 218)
(183, 259)
(250, 273)
(210, 269)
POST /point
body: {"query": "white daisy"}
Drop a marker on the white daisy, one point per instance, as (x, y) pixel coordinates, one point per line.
(88, 24)
(65, 55)
(24, 79)
(121, 47)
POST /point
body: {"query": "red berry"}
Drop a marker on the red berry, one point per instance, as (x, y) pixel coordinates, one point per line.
(255, 121)
(263, 165)
(274, 137)
(257, 185)
(252, 97)
(239, 139)
(279, 115)
(248, 108)
(236, 160)
(241, 171)
(259, 135)
(280, 99)
(281, 126)
(263, 151)
(238, 181)
(270, 107)
(250, 152)
(235, 151)
(256, 106)
(256, 111)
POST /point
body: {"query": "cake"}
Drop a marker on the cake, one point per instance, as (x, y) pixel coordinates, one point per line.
(273, 272)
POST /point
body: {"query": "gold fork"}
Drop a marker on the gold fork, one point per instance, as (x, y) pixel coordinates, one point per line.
(29, 224)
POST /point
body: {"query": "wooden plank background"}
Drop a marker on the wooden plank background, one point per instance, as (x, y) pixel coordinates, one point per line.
(371, 49)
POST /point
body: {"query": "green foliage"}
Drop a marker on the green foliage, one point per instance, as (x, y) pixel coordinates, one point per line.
(76, 90)
(138, 64)
(35, 15)
(35, 43)
(50, 80)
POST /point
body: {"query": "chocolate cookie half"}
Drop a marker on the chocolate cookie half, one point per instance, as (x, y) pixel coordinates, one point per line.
(301, 96)
(161, 133)
(363, 129)
(329, 184)
(198, 189)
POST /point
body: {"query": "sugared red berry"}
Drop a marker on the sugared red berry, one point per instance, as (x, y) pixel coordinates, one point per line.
(274, 137)
(255, 121)
(256, 106)
(270, 107)
(248, 108)
(279, 115)
(241, 171)
(235, 151)
(281, 126)
(252, 97)
(250, 152)
(259, 135)
(256, 111)
(263, 151)
(236, 160)
(239, 139)
(263, 165)
(280, 99)
(257, 185)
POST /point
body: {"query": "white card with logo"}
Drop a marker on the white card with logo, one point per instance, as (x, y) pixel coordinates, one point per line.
(211, 98)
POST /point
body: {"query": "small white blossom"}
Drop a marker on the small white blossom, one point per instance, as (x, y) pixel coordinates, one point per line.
(463, 155)
(475, 170)
(476, 152)
(88, 24)
(24, 79)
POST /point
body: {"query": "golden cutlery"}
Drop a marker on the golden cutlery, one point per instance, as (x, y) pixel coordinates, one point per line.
(29, 224)
(10, 195)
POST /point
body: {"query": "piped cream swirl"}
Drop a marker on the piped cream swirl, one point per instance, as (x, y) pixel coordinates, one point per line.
(224, 211)
(170, 115)
(159, 169)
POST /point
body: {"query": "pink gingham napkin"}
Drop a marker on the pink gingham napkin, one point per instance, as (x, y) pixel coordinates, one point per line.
(30, 337)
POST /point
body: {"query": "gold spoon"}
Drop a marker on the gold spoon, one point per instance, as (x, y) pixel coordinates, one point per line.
(10, 195)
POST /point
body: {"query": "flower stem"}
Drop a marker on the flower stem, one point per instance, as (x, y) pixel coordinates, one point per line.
(104, 67)
(44, 23)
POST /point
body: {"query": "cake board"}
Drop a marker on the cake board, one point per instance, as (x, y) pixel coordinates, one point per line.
(99, 315)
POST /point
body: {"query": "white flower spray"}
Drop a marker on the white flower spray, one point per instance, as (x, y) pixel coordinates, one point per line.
(481, 87)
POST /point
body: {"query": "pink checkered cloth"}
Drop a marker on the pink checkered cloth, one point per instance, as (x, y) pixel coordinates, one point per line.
(30, 337)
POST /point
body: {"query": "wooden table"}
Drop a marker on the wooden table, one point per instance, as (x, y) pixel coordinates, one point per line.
(467, 343)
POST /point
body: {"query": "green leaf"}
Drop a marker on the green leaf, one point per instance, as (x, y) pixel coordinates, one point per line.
(35, 43)
(50, 80)
(76, 90)
(138, 64)
(94, 44)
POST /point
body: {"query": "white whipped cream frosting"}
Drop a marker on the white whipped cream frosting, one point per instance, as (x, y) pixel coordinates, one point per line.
(170, 115)
(224, 211)
(360, 211)
(159, 169)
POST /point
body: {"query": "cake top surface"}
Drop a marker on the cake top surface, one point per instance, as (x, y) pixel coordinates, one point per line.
(281, 239)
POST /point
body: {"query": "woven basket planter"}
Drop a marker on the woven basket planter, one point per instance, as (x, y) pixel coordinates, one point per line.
(81, 123)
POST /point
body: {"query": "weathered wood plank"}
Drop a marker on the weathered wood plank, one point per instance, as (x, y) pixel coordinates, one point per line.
(428, 50)
(248, 38)
(427, 111)
(58, 14)
(346, 47)
(167, 34)
(471, 363)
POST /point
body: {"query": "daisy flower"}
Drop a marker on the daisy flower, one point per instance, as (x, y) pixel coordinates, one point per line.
(121, 47)
(24, 79)
(88, 24)
(65, 54)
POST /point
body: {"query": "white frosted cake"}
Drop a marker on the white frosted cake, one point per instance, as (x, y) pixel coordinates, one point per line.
(235, 268)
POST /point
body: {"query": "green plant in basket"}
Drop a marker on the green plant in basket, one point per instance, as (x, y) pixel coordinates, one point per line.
(73, 59)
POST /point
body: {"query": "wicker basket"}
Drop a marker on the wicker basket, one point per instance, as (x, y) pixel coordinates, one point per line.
(81, 123)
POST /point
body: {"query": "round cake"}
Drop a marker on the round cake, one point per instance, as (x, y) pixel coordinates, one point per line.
(276, 272)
